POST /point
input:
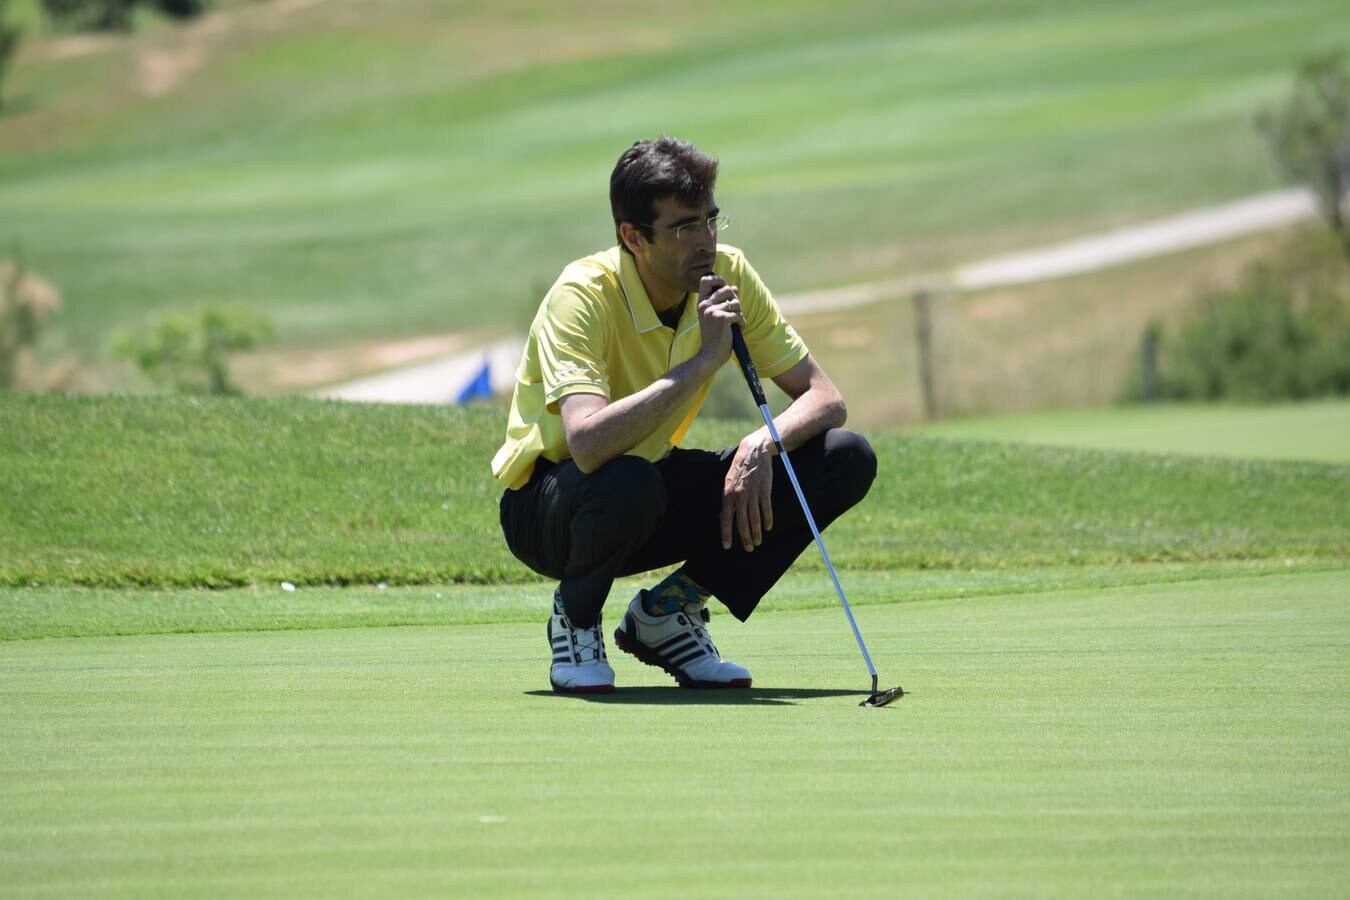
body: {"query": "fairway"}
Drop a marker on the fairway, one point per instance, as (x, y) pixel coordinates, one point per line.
(1166, 738)
(1317, 431)
(359, 171)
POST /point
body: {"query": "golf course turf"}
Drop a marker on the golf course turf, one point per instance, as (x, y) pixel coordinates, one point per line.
(277, 647)
(1126, 676)
(1154, 739)
(353, 170)
(1313, 431)
(188, 492)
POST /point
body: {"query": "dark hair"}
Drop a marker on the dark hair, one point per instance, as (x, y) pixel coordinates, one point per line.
(650, 170)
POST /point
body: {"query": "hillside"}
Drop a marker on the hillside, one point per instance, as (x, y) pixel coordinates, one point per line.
(356, 171)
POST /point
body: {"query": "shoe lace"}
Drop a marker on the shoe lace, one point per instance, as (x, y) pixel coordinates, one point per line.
(589, 643)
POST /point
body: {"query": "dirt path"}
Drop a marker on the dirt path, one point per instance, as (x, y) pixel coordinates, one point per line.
(436, 381)
(441, 381)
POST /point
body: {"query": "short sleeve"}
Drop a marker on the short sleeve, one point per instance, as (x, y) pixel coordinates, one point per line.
(572, 336)
(774, 345)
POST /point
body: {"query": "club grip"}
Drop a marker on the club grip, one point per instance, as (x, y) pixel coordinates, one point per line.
(747, 366)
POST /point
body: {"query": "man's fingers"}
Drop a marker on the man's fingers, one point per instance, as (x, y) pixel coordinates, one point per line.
(714, 304)
(725, 299)
(724, 312)
(724, 295)
(747, 523)
(741, 516)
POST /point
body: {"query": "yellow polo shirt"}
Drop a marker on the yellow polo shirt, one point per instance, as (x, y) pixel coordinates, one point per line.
(596, 333)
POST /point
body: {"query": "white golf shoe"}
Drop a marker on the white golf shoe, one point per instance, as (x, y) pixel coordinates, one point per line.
(579, 663)
(680, 644)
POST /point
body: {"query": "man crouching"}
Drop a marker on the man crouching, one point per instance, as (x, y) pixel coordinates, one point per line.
(619, 359)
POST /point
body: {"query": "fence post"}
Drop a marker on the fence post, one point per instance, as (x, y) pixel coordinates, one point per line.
(923, 333)
(1148, 362)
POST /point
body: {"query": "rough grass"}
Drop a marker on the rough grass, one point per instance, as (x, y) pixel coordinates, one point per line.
(357, 170)
(187, 492)
(1183, 739)
(1069, 342)
(1063, 343)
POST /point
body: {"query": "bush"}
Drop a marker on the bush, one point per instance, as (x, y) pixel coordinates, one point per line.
(9, 45)
(186, 352)
(1245, 345)
(1282, 333)
(182, 9)
(90, 15)
(25, 302)
(114, 15)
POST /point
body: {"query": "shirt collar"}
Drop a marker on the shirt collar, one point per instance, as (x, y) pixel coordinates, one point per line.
(635, 295)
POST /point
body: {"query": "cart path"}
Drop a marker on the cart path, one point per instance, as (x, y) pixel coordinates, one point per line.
(441, 380)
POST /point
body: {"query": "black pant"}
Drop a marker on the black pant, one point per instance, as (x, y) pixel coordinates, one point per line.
(632, 516)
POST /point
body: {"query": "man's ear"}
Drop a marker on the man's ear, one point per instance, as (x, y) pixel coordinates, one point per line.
(632, 237)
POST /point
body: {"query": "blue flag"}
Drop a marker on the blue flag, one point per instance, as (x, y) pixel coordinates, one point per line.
(479, 387)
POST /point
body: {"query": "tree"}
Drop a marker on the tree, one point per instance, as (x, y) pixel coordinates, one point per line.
(1310, 137)
(90, 15)
(9, 45)
(25, 302)
(114, 15)
(186, 352)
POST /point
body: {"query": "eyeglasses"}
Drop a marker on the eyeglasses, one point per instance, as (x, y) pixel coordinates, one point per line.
(713, 224)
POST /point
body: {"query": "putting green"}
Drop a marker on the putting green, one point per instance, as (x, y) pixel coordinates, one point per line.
(1178, 738)
(1317, 430)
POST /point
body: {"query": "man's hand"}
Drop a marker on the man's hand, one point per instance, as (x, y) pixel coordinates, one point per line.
(719, 307)
(747, 501)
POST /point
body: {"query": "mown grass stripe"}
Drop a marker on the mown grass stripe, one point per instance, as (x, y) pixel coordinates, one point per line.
(399, 172)
(36, 613)
(1169, 739)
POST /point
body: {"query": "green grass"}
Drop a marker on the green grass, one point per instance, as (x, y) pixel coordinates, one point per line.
(29, 613)
(1126, 676)
(355, 172)
(1183, 739)
(1316, 431)
(190, 492)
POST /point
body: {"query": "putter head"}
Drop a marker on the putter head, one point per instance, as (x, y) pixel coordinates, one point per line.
(881, 698)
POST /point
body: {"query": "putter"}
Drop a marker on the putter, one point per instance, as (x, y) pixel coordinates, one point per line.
(878, 697)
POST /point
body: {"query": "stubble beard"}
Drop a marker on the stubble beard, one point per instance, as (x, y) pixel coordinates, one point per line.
(687, 279)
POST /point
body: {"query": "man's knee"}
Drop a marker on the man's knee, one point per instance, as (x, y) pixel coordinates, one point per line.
(849, 454)
(628, 488)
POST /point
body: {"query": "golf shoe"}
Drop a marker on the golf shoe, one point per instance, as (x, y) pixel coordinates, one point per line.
(678, 643)
(579, 663)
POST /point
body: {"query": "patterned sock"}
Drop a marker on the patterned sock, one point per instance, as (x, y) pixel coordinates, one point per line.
(672, 594)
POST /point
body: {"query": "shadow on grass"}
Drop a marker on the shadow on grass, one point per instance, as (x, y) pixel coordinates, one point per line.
(677, 696)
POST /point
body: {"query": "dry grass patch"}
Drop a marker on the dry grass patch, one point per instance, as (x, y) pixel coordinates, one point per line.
(1065, 343)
